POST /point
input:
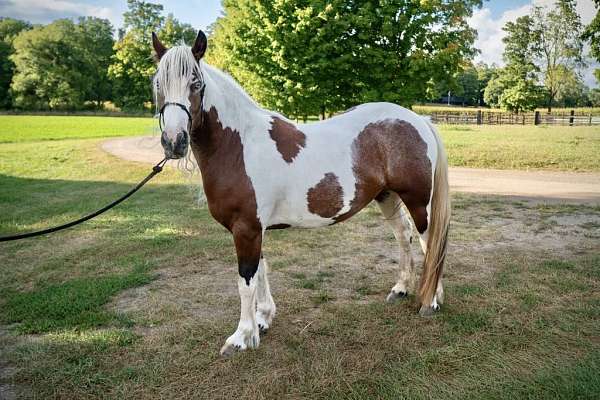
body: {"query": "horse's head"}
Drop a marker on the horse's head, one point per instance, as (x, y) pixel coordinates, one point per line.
(178, 88)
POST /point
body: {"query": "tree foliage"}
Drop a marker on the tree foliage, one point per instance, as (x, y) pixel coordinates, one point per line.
(304, 56)
(544, 47)
(62, 65)
(132, 64)
(592, 34)
(9, 29)
(559, 44)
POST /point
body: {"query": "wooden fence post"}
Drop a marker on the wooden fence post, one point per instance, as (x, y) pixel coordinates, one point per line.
(537, 119)
(478, 117)
(590, 118)
(571, 117)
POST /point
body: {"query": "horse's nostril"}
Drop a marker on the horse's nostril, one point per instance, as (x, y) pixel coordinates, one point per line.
(164, 141)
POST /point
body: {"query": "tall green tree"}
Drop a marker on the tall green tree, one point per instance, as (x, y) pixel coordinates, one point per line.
(307, 56)
(485, 73)
(519, 78)
(56, 66)
(557, 33)
(9, 29)
(132, 64)
(95, 41)
(592, 34)
(571, 91)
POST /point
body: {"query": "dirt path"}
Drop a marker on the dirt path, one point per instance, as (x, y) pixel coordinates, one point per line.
(538, 185)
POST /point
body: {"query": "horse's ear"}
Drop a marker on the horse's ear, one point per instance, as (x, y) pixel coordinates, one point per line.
(199, 47)
(159, 48)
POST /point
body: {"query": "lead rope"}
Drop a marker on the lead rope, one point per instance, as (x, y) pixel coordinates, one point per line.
(155, 170)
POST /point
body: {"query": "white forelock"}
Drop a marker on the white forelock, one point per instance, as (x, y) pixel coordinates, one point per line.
(175, 72)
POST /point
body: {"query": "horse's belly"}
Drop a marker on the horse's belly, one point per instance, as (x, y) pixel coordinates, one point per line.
(296, 214)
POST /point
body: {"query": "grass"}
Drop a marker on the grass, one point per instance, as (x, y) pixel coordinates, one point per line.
(24, 128)
(136, 303)
(76, 303)
(523, 147)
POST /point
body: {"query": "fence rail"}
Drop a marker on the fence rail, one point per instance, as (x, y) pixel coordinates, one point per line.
(480, 117)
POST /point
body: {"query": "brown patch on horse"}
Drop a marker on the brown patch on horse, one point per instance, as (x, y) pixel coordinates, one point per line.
(326, 198)
(391, 155)
(288, 139)
(229, 191)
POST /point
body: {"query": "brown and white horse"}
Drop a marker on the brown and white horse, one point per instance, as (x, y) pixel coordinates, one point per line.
(260, 171)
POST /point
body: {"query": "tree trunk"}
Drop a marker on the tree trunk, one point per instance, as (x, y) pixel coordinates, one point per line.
(322, 116)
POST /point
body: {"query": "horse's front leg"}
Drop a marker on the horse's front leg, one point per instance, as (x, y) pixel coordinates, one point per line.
(265, 306)
(248, 241)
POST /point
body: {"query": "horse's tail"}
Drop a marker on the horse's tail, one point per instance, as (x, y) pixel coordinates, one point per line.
(439, 222)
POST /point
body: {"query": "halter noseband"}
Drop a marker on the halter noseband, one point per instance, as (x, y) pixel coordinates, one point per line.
(161, 114)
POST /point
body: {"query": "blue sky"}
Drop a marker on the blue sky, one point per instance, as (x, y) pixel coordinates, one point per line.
(201, 13)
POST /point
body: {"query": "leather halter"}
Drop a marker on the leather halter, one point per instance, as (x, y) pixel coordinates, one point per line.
(161, 112)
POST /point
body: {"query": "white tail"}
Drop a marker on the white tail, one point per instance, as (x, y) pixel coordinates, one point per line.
(439, 222)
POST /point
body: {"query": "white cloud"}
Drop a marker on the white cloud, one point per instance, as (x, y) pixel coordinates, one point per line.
(44, 11)
(490, 33)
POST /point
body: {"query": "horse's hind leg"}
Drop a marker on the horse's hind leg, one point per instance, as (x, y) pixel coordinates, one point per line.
(265, 306)
(398, 219)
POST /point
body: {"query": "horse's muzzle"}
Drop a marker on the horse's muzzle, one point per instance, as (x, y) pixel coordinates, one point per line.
(175, 148)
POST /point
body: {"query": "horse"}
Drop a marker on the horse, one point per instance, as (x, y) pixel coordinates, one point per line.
(261, 171)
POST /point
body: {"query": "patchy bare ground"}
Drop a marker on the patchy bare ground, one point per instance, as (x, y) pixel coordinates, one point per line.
(356, 262)
(333, 335)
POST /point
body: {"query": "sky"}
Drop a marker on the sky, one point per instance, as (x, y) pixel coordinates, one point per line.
(488, 20)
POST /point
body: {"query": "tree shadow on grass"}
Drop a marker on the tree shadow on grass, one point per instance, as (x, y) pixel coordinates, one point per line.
(125, 241)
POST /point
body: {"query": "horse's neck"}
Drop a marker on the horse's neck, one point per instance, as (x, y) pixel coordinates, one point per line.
(236, 110)
(229, 115)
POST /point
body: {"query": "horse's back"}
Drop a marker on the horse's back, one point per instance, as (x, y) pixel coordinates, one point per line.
(346, 161)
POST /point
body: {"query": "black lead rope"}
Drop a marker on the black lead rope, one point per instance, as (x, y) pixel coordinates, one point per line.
(155, 170)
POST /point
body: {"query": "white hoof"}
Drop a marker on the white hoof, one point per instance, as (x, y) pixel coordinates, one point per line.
(394, 296)
(264, 317)
(242, 339)
(431, 310)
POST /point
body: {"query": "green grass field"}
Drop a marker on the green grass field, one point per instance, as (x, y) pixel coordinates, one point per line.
(523, 147)
(504, 147)
(26, 128)
(136, 303)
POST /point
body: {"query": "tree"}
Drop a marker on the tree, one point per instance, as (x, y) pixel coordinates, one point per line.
(132, 65)
(494, 89)
(515, 87)
(522, 95)
(592, 34)
(594, 97)
(59, 66)
(291, 56)
(304, 56)
(571, 91)
(94, 38)
(558, 43)
(9, 29)
(485, 73)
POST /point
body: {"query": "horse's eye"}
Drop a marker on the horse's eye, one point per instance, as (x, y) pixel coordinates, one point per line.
(196, 86)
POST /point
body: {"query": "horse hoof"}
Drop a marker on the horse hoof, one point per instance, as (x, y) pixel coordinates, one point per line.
(394, 296)
(229, 349)
(429, 311)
